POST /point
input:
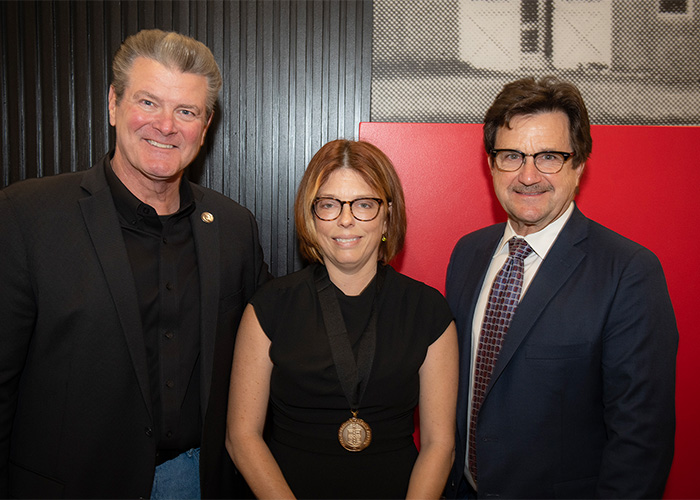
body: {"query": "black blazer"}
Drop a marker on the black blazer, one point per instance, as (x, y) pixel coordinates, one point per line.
(75, 410)
(581, 401)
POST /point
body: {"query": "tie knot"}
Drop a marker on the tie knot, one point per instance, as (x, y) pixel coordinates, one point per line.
(519, 248)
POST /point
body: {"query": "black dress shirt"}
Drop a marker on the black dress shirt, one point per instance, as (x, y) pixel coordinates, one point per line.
(163, 259)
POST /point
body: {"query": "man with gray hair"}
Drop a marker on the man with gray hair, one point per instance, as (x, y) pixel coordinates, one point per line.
(122, 287)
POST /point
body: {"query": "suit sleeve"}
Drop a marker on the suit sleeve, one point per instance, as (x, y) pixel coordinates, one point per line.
(261, 273)
(17, 318)
(640, 342)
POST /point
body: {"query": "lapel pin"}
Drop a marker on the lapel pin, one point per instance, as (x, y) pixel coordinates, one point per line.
(207, 217)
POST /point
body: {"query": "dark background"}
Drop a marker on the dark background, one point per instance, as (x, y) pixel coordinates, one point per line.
(296, 75)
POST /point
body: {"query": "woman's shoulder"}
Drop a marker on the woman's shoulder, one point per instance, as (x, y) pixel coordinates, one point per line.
(281, 299)
(422, 306)
(285, 284)
(410, 285)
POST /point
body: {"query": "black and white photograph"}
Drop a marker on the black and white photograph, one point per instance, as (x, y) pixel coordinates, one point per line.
(636, 62)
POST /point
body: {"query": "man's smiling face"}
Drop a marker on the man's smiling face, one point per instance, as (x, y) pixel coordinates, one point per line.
(534, 200)
(160, 121)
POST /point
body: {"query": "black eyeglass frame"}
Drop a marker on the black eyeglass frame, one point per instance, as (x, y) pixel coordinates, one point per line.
(342, 204)
(566, 156)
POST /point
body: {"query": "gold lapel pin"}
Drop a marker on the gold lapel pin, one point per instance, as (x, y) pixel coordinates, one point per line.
(207, 217)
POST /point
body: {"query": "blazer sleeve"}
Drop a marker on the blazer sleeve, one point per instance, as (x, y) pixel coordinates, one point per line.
(640, 341)
(262, 274)
(17, 318)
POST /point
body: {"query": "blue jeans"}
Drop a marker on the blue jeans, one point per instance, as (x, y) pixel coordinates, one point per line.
(178, 478)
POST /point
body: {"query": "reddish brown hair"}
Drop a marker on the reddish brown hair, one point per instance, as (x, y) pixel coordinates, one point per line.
(375, 168)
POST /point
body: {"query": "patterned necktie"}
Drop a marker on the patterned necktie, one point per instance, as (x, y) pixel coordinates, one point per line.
(503, 300)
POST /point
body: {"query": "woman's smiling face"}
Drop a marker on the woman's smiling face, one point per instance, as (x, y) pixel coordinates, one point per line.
(349, 245)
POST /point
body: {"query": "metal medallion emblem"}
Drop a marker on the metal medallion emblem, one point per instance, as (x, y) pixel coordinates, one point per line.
(355, 434)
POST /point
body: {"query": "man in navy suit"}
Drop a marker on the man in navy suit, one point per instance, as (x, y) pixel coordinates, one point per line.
(580, 402)
(122, 287)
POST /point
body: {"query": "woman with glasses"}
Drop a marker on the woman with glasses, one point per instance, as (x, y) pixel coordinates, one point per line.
(343, 351)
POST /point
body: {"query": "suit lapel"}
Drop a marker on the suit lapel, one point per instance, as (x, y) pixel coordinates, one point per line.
(206, 236)
(468, 298)
(103, 226)
(560, 262)
(472, 286)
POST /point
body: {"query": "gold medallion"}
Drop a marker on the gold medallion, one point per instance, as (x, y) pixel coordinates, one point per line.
(355, 434)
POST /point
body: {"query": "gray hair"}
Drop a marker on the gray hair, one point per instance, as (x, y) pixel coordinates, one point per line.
(172, 50)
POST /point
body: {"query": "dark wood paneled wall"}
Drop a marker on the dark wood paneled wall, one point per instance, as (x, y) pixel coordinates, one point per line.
(296, 75)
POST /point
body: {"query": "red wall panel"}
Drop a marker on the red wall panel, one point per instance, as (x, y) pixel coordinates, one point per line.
(642, 182)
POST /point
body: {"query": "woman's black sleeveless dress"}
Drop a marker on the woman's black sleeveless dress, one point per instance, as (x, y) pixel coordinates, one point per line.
(307, 403)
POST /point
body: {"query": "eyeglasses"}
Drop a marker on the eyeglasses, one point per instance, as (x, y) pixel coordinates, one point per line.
(362, 209)
(547, 162)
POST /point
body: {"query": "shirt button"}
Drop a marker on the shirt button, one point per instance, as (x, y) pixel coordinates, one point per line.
(170, 384)
(148, 431)
(169, 335)
(165, 241)
(169, 286)
(169, 434)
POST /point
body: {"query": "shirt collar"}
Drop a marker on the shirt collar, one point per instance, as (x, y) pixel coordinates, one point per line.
(542, 240)
(133, 210)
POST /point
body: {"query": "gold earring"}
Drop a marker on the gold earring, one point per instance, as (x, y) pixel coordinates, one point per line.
(383, 237)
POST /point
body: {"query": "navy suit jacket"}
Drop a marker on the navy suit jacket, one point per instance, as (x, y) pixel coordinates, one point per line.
(76, 418)
(581, 400)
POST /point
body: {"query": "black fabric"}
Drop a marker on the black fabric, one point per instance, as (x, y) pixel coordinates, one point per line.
(163, 259)
(308, 404)
(353, 368)
(76, 395)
